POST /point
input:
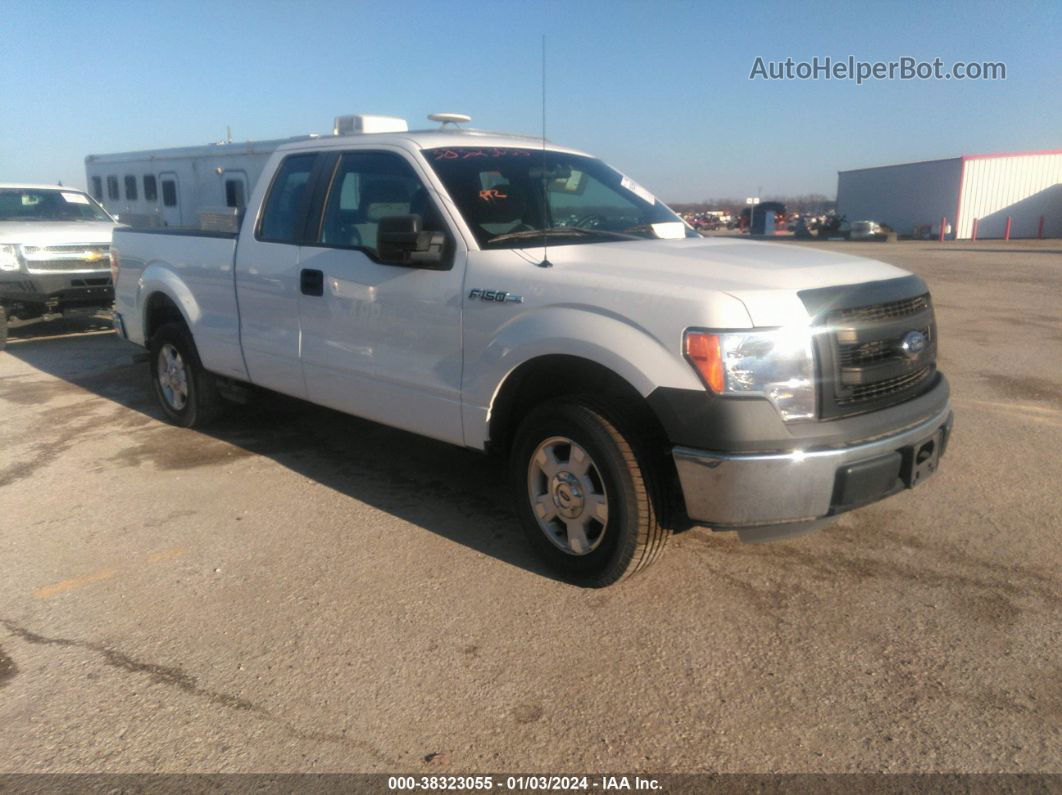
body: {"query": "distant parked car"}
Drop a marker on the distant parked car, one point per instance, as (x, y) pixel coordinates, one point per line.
(834, 227)
(54, 252)
(868, 230)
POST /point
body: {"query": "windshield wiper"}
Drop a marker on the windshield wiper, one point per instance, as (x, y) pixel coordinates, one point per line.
(562, 231)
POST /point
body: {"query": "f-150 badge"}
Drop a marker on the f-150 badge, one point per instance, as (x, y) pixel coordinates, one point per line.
(495, 296)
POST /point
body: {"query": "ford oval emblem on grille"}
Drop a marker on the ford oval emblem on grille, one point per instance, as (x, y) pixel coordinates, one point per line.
(912, 344)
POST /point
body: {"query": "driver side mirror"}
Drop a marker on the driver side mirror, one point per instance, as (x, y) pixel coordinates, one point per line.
(400, 240)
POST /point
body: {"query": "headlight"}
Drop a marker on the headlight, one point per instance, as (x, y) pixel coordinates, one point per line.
(778, 365)
(9, 259)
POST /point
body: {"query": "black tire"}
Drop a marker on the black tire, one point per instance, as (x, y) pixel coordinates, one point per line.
(201, 403)
(3, 328)
(633, 536)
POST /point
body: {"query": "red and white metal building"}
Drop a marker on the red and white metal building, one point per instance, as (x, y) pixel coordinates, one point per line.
(975, 194)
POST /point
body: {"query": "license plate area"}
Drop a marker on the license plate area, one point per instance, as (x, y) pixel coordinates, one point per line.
(922, 459)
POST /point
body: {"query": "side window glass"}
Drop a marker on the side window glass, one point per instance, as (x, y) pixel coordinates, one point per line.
(169, 193)
(130, 188)
(151, 192)
(112, 188)
(281, 214)
(369, 186)
(97, 189)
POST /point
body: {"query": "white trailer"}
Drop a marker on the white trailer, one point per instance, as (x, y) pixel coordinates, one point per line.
(170, 187)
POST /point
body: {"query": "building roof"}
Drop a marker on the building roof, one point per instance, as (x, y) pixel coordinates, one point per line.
(959, 157)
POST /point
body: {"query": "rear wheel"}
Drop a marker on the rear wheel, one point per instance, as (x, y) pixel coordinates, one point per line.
(586, 499)
(185, 391)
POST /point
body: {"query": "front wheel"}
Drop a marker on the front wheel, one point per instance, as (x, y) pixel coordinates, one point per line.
(185, 391)
(586, 499)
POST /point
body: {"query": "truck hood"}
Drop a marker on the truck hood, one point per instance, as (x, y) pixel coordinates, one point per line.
(766, 277)
(55, 233)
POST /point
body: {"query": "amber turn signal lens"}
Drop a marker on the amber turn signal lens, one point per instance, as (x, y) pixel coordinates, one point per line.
(702, 350)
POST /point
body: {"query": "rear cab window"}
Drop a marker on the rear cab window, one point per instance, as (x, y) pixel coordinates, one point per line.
(286, 204)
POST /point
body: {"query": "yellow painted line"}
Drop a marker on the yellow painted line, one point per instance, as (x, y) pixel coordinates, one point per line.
(48, 591)
(63, 586)
(166, 554)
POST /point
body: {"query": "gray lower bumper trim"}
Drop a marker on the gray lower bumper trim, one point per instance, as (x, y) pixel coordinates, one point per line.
(723, 489)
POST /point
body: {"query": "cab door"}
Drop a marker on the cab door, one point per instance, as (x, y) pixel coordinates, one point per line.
(267, 278)
(381, 341)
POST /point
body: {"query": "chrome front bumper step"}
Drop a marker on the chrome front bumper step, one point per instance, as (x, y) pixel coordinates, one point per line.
(734, 490)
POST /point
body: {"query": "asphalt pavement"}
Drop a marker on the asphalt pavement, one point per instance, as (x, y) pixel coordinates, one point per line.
(297, 590)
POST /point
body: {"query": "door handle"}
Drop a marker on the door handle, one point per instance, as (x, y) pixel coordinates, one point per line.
(311, 282)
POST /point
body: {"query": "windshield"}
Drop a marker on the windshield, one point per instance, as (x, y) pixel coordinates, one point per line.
(42, 204)
(519, 197)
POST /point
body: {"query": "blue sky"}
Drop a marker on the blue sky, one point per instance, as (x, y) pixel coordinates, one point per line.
(659, 89)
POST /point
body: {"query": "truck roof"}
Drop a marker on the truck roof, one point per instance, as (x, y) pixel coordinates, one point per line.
(430, 139)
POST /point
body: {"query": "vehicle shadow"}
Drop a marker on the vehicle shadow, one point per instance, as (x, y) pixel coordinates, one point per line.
(58, 326)
(458, 494)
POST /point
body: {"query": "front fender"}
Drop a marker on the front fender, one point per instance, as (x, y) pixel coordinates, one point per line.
(631, 352)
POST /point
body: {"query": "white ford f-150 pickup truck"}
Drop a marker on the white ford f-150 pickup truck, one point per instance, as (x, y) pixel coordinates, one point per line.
(528, 300)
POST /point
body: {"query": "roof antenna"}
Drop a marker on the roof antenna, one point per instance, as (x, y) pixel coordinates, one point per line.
(545, 192)
(454, 119)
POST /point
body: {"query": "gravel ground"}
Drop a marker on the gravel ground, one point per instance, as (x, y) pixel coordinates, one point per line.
(297, 590)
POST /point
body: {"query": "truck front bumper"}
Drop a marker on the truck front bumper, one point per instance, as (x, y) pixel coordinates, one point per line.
(734, 491)
(54, 292)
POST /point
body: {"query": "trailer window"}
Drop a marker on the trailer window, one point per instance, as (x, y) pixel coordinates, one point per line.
(130, 188)
(234, 193)
(97, 189)
(169, 193)
(151, 192)
(283, 208)
(112, 188)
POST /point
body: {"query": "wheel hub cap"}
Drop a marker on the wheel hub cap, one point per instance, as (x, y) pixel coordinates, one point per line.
(568, 496)
(173, 377)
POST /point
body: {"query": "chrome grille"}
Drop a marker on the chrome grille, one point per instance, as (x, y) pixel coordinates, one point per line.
(889, 386)
(870, 352)
(68, 258)
(862, 364)
(891, 310)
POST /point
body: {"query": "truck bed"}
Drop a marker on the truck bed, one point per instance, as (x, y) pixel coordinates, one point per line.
(195, 268)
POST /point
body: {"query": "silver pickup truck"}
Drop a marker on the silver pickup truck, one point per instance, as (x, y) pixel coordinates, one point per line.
(54, 245)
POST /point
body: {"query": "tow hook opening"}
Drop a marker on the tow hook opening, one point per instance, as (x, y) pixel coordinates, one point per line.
(925, 452)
